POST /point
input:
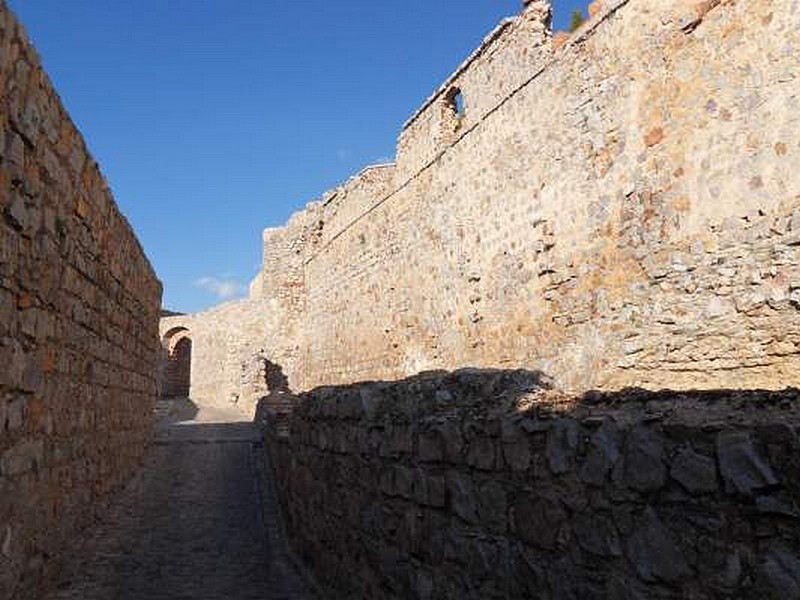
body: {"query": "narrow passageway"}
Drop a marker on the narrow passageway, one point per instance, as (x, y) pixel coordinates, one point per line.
(198, 522)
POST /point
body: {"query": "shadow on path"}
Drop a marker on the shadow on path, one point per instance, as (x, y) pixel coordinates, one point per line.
(195, 523)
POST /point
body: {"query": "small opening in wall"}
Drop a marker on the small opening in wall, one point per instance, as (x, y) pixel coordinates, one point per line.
(455, 102)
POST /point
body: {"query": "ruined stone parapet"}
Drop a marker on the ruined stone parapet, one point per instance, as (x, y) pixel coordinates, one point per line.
(507, 58)
(79, 309)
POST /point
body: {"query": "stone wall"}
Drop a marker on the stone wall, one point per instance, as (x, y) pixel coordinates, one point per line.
(622, 209)
(79, 308)
(235, 345)
(486, 484)
(639, 210)
(231, 346)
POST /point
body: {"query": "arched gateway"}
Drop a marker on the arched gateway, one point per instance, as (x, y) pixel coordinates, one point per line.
(177, 372)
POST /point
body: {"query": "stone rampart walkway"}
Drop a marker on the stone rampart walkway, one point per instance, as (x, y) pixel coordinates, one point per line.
(198, 522)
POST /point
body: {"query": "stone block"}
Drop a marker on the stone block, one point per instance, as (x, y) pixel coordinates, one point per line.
(780, 573)
(597, 534)
(778, 504)
(429, 490)
(25, 456)
(742, 467)
(493, 507)
(595, 8)
(560, 38)
(518, 454)
(695, 472)
(453, 442)
(15, 413)
(462, 497)
(437, 491)
(482, 453)
(562, 443)
(401, 440)
(654, 553)
(431, 447)
(15, 150)
(604, 451)
(539, 520)
(404, 482)
(643, 464)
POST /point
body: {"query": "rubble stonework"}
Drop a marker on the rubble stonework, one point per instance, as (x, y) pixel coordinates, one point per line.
(622, 210)
(229, 346)
(486, 484)
(79, 306)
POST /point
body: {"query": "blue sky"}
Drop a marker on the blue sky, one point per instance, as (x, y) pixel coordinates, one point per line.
(213, 119)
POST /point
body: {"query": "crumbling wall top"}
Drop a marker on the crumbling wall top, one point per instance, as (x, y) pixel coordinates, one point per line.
(509, 57)
(534, 10)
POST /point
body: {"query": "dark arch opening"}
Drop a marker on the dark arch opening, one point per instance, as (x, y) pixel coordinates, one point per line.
(178, 368)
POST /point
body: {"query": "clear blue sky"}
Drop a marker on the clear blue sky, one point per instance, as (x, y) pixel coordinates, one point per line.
(213, 119)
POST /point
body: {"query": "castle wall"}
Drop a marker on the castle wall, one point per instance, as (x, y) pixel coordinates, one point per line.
(235, 344)
(620, 211)
(482, 485)
(79, 307)
(625, 212)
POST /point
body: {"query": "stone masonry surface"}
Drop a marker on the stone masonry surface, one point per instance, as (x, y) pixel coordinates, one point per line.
(196, 522)
(486, 484)
(623, 209)
(79, 309)
(230, 347)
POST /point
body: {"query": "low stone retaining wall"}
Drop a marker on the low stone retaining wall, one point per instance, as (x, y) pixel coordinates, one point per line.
(485, 484)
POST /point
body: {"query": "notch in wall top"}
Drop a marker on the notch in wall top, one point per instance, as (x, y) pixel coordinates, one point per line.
(599, 11)
(534, 10)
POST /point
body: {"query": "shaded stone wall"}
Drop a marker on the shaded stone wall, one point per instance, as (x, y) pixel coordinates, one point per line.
(486, 484)
(79, 309)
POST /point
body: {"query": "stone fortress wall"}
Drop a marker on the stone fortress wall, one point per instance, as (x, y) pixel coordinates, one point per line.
(596, 219)
(619, 210)
(79, 306)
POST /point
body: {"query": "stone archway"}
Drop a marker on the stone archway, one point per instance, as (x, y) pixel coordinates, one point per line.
(177, 372)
